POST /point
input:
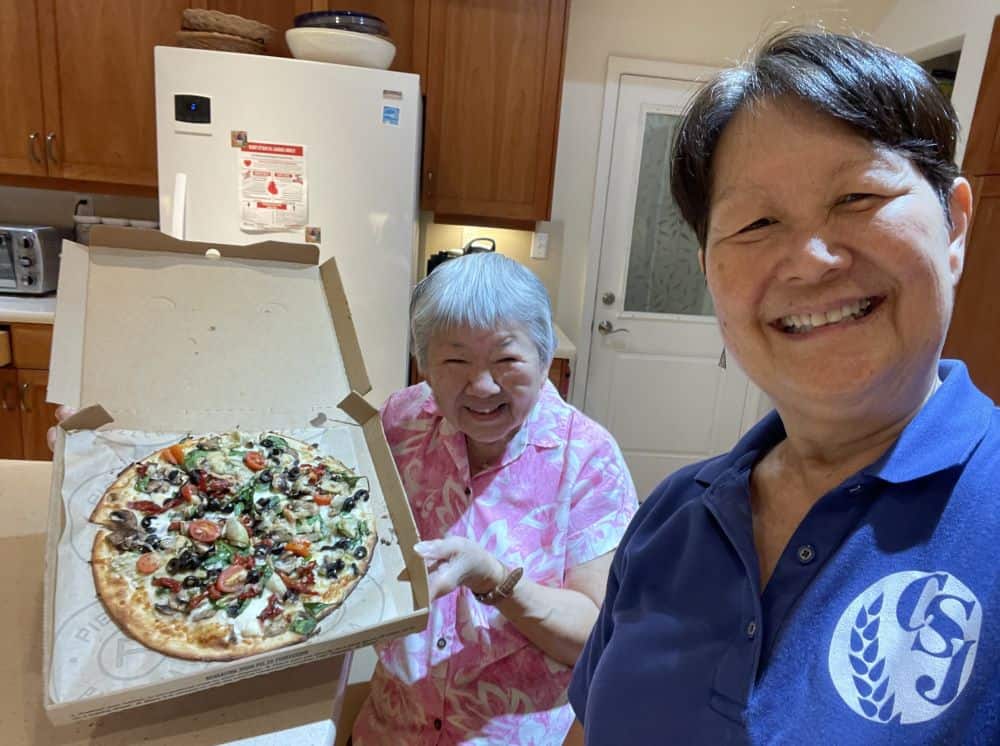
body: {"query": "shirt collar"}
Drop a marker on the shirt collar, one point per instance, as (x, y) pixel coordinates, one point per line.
(944, 433)
(954, 420)
(761, 438)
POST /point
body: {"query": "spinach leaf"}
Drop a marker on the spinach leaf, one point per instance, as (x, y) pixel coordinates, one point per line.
(223, 551)
(304, 625)
(315, 609)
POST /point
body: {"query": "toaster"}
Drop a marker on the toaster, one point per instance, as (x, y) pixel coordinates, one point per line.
(29, 258)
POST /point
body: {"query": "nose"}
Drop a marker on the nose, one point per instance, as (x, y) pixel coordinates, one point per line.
(813, 258)
(482, 383)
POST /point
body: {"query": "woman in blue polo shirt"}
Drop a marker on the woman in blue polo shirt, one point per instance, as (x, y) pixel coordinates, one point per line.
(833, 578)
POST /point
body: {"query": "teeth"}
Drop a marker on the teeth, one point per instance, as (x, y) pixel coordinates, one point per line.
(808, 321)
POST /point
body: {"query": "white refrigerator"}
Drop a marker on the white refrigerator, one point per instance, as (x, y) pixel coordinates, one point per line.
(253, 148)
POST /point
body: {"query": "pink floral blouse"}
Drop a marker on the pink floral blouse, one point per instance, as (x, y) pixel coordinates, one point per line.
(561, 496)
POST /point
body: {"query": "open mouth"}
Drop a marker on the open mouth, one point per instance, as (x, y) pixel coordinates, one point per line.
(485, 411)
(848, 313)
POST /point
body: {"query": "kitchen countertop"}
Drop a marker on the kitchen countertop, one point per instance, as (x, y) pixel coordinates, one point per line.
(564, 348)
(28, 309)
(298, 705)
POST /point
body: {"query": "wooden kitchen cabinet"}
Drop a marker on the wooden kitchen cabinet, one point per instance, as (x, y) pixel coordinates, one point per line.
(25, 416)
(20, 90)
(976, 318)
(982, 154)
(494, 78)
(97, 82)
(37, 416)
(559, 375)
(973, 332)
(10, 415)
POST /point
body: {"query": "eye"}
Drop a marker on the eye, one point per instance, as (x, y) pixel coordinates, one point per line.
(859, 199)
(454, 361)
(757, 225)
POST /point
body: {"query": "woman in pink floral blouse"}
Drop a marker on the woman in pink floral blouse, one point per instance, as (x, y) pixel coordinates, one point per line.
(521, 501)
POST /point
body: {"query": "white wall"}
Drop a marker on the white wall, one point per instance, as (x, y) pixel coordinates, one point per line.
(925, 28)
(707, 32)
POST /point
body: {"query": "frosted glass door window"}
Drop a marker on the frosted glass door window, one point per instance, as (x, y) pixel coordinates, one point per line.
(663, 274)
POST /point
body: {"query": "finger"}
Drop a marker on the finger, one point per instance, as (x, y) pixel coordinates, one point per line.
(63, 412)
(434, 565)
(50, 438)
(431, 550)
(443, 581)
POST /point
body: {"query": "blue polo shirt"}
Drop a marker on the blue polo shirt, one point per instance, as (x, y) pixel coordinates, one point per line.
(879, 625)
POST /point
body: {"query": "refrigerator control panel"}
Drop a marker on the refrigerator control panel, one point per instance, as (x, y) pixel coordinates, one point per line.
(192, 113)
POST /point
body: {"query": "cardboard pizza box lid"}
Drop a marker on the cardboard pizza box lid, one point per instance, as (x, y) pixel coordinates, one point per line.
(154, 333)
(195, 336)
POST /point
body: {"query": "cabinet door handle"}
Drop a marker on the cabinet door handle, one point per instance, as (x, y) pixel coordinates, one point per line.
(33, 148)
(50, 147)
(25, 406)
(3, 398)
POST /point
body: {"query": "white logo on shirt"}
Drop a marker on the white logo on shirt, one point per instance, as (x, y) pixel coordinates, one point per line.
(903, 650)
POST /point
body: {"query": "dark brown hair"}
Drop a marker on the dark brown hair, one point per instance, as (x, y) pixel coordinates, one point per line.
(884, 96)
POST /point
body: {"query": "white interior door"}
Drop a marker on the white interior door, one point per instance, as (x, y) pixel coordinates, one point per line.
(653, 377)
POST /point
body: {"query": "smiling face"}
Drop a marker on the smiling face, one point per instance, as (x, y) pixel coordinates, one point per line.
(485, 382)
(830, 260)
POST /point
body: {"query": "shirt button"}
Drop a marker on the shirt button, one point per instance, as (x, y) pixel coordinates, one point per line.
(441, 643)
(437, 723)
(751, 629)
(806, 553)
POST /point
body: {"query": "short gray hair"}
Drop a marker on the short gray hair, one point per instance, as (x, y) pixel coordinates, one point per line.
(482, 291)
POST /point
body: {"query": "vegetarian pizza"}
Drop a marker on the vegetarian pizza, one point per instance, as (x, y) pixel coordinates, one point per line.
(223, 546)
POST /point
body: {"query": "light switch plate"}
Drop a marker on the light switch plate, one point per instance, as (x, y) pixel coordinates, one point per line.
(539, 245)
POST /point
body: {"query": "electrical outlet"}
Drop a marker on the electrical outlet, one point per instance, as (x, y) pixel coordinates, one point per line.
(539, 245)
(84, 204)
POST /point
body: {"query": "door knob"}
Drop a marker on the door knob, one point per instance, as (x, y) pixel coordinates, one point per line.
(606, 328)
(608, 298)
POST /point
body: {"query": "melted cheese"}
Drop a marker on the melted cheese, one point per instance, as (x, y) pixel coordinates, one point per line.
(247, 622)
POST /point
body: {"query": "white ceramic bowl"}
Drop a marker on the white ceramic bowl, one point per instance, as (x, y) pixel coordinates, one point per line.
(340, 46)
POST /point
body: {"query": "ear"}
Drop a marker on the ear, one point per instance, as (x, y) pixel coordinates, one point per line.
(701, 260)
(960, 211)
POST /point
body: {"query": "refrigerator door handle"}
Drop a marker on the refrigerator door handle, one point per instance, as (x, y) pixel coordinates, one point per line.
(179, 206)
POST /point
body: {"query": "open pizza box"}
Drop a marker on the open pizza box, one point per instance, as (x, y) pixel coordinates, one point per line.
(156, 337)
